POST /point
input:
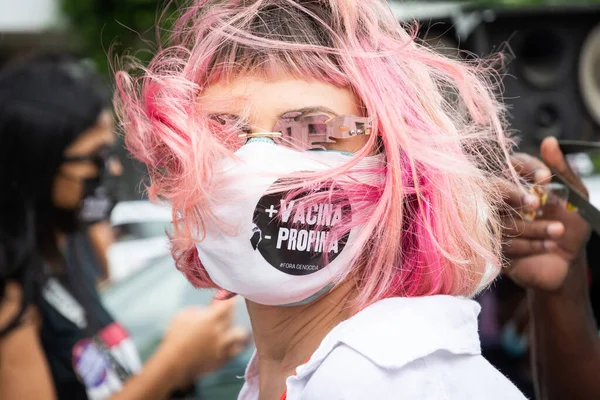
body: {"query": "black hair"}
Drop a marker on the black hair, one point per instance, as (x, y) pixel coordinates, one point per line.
(46, 102)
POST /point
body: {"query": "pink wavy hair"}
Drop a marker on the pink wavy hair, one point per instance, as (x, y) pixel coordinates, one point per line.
(432, 225)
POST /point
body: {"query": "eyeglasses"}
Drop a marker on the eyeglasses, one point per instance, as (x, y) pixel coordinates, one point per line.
(311, 131)
(101, 158)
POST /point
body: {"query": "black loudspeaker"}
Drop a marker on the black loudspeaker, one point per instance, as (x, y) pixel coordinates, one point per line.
(552, 69)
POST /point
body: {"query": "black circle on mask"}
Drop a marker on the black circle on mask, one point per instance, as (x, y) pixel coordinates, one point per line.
(292, 238)
(95, 206)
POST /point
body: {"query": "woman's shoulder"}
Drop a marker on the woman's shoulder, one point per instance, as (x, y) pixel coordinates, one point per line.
(348, 374)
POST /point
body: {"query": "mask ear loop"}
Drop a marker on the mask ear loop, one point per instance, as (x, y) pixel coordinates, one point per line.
(269, 135)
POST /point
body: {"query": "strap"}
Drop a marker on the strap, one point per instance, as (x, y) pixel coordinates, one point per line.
(64, 303)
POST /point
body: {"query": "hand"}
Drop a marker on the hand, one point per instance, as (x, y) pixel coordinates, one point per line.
(541, 252)
(201, 340)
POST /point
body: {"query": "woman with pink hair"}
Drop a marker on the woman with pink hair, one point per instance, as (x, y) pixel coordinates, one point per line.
(340, 177)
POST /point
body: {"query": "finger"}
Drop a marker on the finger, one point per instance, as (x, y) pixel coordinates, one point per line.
(223, 309)
(531, 168)
(517, 248)
(235, 341)
(517, 198)
(515, 227)
(553, 156)
(540, 271)
(234, 350)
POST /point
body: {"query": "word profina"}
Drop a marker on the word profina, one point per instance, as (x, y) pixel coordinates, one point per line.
(323, 215)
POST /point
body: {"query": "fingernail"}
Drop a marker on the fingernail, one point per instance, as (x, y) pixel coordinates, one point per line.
(541, 175)
(531, 200)
(549, 245)
(555, 229)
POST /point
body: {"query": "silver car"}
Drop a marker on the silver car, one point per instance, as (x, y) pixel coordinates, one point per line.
(146, 297)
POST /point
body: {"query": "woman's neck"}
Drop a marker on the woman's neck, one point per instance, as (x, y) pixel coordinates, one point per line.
(286, 337)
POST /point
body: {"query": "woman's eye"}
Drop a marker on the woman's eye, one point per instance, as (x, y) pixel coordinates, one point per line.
(224, 120)
(231, 122)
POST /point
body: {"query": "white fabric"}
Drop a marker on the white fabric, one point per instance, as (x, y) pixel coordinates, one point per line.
(399, 348)
(259, 262)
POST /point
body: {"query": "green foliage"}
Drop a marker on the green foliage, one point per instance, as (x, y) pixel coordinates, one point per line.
(595, 158)
(129, 25)
(107, 28)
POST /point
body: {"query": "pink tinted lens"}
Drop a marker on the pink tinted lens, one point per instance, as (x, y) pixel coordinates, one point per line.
(314, 131)
(348, 126)
(302, 131)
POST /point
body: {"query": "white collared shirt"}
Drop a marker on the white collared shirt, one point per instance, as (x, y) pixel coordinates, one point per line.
(398, 348)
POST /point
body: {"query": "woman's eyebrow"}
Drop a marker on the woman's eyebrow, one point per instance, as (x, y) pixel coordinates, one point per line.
(314, 109)
(228, 116)
(222, 114)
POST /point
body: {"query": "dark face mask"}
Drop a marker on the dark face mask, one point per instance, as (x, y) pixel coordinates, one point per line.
(97, 203)
(95, 206)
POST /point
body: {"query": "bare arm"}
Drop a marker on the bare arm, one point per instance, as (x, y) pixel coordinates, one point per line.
(25, 374)
(198, 341)
(565, 345)
(24, 371)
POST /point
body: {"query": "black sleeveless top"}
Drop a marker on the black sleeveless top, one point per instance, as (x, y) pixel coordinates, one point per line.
(90, 355)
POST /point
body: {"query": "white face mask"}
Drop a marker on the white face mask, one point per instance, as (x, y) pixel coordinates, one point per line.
(272, 261)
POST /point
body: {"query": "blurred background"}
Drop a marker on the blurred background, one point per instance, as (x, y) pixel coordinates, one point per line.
(551, 86)
(551, 48)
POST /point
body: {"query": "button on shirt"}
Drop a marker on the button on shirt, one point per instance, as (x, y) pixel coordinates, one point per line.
(398, 348)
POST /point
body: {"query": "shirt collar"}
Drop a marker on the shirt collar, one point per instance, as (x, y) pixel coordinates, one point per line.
(396, 331)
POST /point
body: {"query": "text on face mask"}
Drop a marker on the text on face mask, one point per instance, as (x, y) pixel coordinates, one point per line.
(320, 215)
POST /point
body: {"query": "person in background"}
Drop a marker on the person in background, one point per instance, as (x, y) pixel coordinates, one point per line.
(548, 258)
(56, 169)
